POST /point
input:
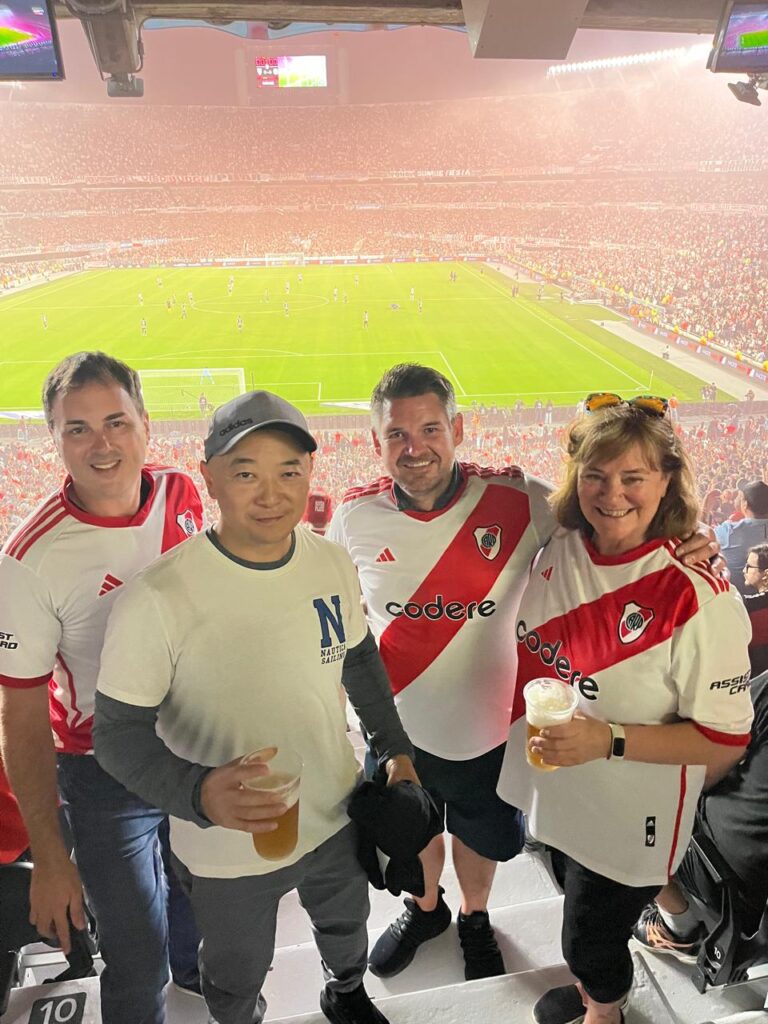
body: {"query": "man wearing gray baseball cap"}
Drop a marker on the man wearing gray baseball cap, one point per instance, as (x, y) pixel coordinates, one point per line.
(239, 647)
(255, 410)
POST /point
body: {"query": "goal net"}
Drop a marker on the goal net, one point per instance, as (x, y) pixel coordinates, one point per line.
(187, 394)
(284, 259)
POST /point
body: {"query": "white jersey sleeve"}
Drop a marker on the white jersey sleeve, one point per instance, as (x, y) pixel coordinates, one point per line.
(137, 660)
(710, 665)
(30, 629)
(357, 627)
(542, 517)
(335, 531)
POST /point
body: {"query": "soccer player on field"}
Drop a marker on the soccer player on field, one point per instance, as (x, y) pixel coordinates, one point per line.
(44, 321)
(59, 573)
(240, 324)
(443, 550)
(143, 327)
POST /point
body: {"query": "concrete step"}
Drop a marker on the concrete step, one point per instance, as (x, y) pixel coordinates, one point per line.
(751, 1017)
(507, 1000)
(524, 879)
(528, 936)
(674, 980)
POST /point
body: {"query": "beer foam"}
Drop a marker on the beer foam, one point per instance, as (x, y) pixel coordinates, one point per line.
(549, 702)
(283, 784)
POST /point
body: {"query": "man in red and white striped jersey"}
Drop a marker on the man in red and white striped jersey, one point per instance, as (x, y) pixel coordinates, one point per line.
(58, 576)
(317, 514)
(443, 550)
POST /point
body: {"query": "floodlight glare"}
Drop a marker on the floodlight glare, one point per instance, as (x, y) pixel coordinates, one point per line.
(678, 53)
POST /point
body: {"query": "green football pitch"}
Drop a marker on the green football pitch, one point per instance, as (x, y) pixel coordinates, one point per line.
(12, 35)
(318, 353)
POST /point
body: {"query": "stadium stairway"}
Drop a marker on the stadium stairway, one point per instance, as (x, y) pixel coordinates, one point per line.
(525, 909)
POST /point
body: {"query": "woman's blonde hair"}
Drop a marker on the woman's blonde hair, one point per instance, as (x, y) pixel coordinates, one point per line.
(605, 435)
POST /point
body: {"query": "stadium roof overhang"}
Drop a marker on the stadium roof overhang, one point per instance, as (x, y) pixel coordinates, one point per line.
(505, 29)
(644, 15)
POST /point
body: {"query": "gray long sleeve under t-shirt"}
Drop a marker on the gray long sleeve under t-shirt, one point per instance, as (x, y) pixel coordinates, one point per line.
(127, 746)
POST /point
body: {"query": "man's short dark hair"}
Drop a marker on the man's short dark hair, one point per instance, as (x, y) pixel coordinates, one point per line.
(756, 497)
(86, 368)
(409, 380)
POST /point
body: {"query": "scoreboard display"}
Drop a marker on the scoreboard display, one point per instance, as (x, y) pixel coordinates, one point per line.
(29, 44)
(302, 72)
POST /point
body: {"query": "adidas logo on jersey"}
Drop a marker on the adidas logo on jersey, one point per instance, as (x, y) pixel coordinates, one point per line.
(547, 574)
(385, 556)
(109, 583)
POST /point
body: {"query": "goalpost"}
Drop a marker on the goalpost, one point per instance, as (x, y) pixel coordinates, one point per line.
(179, 393)
(285, 259)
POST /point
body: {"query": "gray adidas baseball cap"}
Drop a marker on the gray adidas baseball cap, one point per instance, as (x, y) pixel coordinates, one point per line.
(255, 410)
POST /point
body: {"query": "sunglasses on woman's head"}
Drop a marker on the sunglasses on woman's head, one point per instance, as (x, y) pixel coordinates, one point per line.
(654, 405)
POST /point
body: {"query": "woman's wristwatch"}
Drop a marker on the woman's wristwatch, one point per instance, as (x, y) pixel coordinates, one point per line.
(618, 739)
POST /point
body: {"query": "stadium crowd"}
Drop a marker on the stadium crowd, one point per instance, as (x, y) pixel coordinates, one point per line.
(725, 451)
(505, 133)
(679, 231)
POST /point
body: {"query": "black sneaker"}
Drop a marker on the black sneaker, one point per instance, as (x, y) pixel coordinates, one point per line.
(397, 946)
(564, 1006)
(482, 956)
(353, 1007)
(652, 931)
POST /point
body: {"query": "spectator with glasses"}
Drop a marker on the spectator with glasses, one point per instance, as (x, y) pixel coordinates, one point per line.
(657, 651)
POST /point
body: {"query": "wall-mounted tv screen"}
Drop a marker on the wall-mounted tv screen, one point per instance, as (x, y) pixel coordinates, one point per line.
(301, 72)
(29, 44)
(741, 43)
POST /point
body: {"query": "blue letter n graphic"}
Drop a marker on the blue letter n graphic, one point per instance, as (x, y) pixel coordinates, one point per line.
(328, 620)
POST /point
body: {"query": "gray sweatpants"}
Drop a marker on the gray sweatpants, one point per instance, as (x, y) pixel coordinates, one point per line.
(237, 918)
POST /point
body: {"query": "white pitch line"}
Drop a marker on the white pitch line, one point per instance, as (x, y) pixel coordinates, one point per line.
(29, 293)
(565, 334)
(453, 374)
(294, 355)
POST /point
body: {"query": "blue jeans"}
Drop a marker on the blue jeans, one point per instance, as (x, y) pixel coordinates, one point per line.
(118, 854)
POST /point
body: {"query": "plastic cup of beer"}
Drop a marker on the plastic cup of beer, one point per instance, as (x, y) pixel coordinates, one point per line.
(283, 782)
(547, 702)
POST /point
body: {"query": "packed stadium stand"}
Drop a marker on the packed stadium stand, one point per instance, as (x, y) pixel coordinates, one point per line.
(726, 448)
(677, 232)
(623, 214)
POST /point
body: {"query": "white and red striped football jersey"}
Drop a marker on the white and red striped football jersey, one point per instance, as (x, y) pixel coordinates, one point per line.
(442, 590)
(645, 640)
(59, 573)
